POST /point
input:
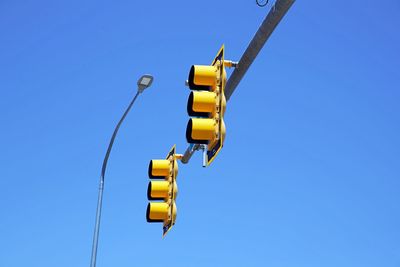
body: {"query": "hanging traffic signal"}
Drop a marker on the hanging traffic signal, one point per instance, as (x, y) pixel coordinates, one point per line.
(164, 188)
(207, 103)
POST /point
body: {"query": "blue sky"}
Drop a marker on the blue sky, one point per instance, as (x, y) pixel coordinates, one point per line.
(310, 171)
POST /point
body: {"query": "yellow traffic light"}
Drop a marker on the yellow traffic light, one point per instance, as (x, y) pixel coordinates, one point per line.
(157, 212)
(200, 131)
(159, 168)
(208, 104)
(165, 189)
(158, 190)
(202, 77)
(201, 102)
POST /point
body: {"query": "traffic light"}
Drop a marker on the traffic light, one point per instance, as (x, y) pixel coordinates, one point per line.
(207, 104)
(164, 190)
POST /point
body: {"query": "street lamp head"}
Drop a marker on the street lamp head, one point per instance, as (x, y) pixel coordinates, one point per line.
(144, 82)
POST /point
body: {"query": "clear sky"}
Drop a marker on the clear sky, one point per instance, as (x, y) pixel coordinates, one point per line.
(310, 171)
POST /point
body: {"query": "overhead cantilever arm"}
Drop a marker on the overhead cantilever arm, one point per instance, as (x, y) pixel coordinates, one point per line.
(270, 22)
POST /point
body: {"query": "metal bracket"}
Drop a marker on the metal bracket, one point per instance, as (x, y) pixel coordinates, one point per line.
(231, 64)
(204, 148)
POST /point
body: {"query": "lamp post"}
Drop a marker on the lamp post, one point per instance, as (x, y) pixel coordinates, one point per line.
(144, 82)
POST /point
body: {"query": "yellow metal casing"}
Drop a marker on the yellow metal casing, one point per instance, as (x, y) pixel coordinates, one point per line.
(223, 130)
(175, 190)
(165, 190)
(200, 131)
(201, 103)
(159, 168)
(208, 104)
(221, 133)
(175, 168)
(158, 190)
(157, 212)
(202, 77)
(223, 105)
(215, 145)
(174, 212)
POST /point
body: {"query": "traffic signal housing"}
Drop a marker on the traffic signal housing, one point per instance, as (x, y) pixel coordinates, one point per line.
(164, 190)
(207, 105)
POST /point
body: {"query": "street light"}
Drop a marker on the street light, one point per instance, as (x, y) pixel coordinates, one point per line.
(144, 82)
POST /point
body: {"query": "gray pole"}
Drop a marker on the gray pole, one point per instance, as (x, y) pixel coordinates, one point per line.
(101, 185)
(270, 22)
(144, 82)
